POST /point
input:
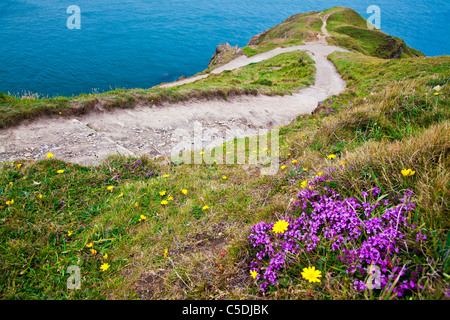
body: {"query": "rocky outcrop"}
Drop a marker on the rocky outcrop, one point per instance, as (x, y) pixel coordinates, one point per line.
(255, 40)
(224, 54)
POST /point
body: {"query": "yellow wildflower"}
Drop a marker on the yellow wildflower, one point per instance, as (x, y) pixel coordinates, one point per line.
(166, 252)
(283, 167)
(40, 196)
(205, 208)
(254, 274)
(184, 191)
(224, 177)
(120, 195)
(90, 245)
(69, 233)
(60, 171)
(164, 202)
(162, 193)
(49, 155)
(110, 188)
(304, 184)
(93, 251)
(170, 198)
(408, 172)
(280, 226)
(166, 176)
(104, 266)
(294, 161)
(319, 174)
(10, 203)
(331, 156)
(143, 217)
(19, 165)
(311, 274)
(105, 256)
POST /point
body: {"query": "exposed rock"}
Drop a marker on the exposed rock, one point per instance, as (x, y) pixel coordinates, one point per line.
(225, 53)
(254, 41)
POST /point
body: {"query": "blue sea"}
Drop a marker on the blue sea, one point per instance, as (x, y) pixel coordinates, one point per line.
(141, 43)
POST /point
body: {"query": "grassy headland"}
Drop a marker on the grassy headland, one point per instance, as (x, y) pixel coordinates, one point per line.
(172, 231)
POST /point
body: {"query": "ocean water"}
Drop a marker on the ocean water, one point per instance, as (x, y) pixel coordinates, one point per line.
(141, 43)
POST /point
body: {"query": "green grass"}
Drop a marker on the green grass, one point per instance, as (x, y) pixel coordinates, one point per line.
(349, 30)
(382, 123)
(389, 118)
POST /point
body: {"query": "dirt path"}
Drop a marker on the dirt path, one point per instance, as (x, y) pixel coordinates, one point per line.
(88, 139)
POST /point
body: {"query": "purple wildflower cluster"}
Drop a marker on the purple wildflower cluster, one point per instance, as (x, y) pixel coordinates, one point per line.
(366, 232)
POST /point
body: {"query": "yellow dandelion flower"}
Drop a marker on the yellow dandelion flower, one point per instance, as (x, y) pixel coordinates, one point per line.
(304, 184)
(311, 274)
(170, 198)
(10, 183)
(289, 154)
(280, 226)
(205, 208)
(49, 155)
(224, 177)
(408, 172)
(283, 167)
(110, 188)
(60, 171)
(184, 191)
(143, 217)
(254, 274)
(294, 161)
(164, 202)
(104, 267)
(162, 193)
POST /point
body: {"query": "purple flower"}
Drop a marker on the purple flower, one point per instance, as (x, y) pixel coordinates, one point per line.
(362, 233)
